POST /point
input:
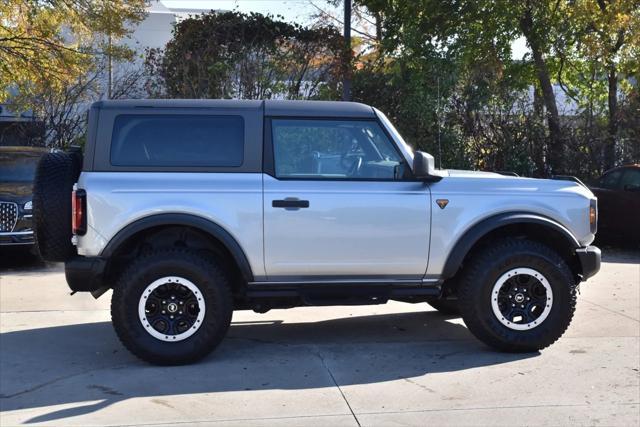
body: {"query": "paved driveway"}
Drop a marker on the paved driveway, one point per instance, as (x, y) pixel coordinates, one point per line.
(394, 364)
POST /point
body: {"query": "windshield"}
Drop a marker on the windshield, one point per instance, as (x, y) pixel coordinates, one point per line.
(18, 167)
(406, 150)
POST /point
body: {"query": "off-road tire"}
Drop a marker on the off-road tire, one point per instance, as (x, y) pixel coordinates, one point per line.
(481, 273)
(53, 184)
(448, 307)
(212, 283)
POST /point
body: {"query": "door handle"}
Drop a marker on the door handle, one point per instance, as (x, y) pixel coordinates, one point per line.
(290, 203)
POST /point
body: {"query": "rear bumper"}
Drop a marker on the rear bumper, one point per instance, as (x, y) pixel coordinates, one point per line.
(85, 274)
(589, 257)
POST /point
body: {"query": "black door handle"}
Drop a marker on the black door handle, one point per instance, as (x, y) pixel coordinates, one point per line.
(290, 203)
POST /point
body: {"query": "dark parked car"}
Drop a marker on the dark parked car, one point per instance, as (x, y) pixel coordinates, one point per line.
(17, 170)
(618, 192)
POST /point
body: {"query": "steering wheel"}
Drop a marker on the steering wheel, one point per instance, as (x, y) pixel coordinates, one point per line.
(354, 170)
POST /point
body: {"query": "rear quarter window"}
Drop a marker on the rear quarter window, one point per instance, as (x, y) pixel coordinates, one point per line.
(177, 140)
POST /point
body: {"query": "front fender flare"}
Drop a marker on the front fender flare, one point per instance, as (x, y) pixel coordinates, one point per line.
(480, 229)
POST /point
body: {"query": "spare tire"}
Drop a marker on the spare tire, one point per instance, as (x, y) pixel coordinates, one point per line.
(55, 176)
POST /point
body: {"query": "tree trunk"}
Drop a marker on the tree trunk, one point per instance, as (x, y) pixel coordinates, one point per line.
(610, 147)
(378, 19)
(556, 146)
(538, 141)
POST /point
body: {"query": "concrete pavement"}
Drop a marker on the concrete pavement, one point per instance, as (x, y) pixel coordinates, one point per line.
(394, 364)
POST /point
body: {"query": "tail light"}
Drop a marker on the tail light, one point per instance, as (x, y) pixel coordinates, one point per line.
(79, 212)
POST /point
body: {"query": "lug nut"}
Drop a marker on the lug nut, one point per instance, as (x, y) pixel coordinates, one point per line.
(513, 305)
(164, 302)
(510, 297)
(181, 302)
(171, 317)
(179, 312)
(173, 297)
(164, 312)
(528, 298)
(522, 306)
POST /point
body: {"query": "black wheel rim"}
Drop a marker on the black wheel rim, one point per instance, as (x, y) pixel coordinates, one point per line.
(171, 309)
(522, 298)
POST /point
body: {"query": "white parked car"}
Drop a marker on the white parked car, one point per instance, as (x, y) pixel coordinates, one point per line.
(190, 209)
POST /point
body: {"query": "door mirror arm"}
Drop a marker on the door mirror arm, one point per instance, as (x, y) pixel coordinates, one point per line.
(424, 168)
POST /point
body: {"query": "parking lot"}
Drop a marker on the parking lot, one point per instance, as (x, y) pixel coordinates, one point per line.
(393, 364)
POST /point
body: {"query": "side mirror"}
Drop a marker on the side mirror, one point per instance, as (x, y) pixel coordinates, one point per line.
(424, 167)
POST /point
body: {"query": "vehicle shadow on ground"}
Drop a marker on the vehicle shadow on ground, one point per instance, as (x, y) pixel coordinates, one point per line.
(76, 364)
(620, 255)
(22, 259)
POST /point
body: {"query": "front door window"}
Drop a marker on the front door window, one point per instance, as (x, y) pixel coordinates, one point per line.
(334, 149)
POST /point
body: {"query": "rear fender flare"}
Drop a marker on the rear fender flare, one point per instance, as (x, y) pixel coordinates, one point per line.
(197, 222)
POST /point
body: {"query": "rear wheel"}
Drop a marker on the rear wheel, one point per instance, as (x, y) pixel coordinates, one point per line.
(517, 295)
(172, 307)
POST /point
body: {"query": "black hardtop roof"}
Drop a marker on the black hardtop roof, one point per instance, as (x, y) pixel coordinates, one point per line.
(271, 107)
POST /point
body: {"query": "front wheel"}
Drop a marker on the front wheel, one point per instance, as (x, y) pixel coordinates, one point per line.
(172, 307)
(517, 295)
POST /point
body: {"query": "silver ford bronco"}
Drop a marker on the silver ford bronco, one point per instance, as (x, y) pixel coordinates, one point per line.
(191, 209)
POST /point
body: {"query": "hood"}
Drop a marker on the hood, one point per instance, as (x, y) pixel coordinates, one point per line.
(12, 191)
(478, 181)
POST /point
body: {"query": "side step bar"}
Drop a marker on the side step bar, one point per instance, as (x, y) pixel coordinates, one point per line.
(343, 292)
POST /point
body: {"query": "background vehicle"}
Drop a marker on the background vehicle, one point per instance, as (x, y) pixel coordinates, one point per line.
(618, 192)
(190, 209)
(17, 171)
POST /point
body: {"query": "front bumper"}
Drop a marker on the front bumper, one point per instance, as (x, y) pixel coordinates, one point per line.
(589, 257)
(16, 238)
(22, 231)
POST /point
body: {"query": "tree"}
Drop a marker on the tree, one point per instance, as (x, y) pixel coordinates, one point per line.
(61, 111)
(538, 22)
(235, 55)
(604, 36)
(53, 43)
(587, 47)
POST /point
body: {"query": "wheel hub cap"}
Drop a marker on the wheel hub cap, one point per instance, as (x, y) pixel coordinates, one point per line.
(171, 309)
(521, 299)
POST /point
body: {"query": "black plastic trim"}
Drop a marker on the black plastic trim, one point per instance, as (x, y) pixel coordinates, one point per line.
(590, 258)
(84, 274)
(290, 204)
(338, 293)
(187, 220)
(477, 231)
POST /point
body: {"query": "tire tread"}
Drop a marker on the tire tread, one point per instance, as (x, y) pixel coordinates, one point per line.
(505, 339)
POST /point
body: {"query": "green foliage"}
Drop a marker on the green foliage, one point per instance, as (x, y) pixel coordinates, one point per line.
(444, 72)
(45, 45)
(235, 55)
